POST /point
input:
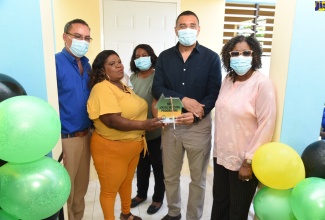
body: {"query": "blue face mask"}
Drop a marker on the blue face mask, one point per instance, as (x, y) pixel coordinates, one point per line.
(143, 63)
(187, 37)
(241, 64)
(79, 47)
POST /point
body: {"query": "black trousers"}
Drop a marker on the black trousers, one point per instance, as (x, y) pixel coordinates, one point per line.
(154, 159)
(231, 196)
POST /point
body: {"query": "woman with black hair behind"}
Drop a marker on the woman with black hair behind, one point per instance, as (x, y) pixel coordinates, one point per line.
(245, 113)
(142, 65)
(120, 121)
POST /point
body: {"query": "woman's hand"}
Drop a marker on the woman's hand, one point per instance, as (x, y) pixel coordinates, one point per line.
(152, 124)
(245, 171)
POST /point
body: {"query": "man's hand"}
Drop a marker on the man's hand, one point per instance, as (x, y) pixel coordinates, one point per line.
(193, 106)
(185, 118)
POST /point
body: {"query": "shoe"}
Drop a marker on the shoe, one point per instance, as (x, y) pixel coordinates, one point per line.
(137, 201)
(153, 209)
(167, 217)
(129, 217)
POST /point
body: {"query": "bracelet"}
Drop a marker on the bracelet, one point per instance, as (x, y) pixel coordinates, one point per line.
(248, 161)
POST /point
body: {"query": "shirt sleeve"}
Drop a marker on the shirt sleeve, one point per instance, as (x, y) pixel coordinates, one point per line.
(102, 100)
(213, 85)
(266, 116)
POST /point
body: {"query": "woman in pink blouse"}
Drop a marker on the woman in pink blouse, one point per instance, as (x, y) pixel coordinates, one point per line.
(245, 114)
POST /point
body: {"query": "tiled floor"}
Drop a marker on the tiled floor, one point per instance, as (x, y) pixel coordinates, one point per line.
(93, 210)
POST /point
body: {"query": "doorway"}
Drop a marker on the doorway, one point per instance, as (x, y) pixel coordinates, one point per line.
(129, 23)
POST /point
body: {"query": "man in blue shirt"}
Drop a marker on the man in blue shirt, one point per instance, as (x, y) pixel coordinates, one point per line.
(72, 69)
(191, 72)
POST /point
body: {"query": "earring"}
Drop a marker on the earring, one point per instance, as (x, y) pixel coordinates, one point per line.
(106, 76)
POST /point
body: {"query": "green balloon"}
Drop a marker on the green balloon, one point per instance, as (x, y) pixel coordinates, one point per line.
(34, 190)
(6, 216)
(308, 199)
(273, 204)
(30, 128)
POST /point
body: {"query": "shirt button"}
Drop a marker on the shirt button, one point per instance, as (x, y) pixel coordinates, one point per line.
(183, 84)
(184, 69)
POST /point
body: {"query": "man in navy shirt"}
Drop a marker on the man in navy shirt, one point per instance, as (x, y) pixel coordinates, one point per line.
(72, 69)
(191, 72)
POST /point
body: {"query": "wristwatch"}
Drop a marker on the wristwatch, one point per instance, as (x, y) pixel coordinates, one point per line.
(248, 161)
(196, 119)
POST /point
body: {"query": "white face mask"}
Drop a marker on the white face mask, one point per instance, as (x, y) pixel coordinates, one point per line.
(79, 47)
(187, 37)
(241, 64)
(143, 63)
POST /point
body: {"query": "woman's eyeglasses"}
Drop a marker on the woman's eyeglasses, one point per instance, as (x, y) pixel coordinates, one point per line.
(245, 53)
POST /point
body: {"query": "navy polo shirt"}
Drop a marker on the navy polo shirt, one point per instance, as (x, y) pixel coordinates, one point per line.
(198, 78)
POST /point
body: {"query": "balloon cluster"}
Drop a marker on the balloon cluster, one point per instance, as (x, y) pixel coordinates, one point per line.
(32, 186)
(287, 194)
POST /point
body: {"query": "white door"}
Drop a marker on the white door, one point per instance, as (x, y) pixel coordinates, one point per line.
(129, 23)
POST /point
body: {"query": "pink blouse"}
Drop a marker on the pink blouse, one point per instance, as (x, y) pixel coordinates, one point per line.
(244, 119)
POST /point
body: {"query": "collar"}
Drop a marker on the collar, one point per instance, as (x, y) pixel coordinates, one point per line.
(197, 47)
(73, 59)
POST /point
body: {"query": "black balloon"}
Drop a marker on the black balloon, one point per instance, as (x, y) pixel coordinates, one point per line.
(2, 162)
(9, 87)
(53, 217)
(313, 158)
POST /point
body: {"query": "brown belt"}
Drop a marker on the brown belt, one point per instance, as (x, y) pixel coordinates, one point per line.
(76, 134)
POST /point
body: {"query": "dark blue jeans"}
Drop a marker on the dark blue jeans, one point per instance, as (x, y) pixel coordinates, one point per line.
(153, 158)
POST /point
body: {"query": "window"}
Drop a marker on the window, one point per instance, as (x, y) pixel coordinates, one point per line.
(250, 19)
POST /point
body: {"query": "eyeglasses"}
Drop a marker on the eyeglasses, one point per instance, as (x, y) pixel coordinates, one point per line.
(245, 53)
(80, 37)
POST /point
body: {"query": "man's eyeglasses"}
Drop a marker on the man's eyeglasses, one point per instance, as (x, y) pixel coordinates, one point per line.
(245, 53)
(80, 37)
